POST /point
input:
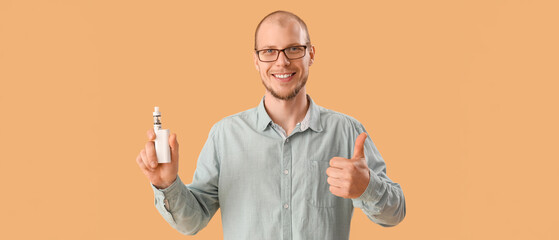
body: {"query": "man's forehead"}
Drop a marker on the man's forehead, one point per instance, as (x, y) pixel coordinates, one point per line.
(275, 34)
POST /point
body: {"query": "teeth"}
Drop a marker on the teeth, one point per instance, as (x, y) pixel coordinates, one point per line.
(284, 75)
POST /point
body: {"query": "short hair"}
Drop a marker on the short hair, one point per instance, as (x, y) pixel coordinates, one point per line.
(289, 15)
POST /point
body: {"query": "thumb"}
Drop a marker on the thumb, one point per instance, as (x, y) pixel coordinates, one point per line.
(358, 151)
(174, 144)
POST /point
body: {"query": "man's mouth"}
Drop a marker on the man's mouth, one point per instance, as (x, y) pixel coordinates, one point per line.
(284, 77)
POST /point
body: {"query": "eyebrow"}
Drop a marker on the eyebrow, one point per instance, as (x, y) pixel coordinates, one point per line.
(275, 47)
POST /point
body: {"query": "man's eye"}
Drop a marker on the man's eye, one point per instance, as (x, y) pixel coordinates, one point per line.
(294, 49)
(269, 51)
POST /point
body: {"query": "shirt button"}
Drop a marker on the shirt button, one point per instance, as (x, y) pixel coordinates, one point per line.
(285, 206)
(285, 171)
(287, 140)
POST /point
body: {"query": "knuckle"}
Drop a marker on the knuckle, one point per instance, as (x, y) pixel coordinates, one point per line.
(355, 169)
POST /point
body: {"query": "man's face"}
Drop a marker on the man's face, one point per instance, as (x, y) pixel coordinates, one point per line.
(272, 35)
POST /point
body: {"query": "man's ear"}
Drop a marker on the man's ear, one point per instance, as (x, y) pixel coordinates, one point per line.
(312, 51)
(256, 62)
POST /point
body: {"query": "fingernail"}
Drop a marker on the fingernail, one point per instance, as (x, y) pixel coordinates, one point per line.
(153, 165)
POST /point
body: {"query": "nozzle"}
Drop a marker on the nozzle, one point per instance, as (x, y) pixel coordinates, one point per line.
(156, 119)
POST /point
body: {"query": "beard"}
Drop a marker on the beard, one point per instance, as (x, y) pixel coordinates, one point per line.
(289, 95)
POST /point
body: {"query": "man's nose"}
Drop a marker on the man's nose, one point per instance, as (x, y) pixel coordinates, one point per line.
(282, 59)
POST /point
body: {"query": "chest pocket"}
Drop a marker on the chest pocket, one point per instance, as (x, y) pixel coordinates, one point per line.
(318, 193)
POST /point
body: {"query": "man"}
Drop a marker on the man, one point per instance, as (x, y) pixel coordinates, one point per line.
(287, 169)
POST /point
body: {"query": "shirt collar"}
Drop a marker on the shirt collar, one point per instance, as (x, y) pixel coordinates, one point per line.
(312, 118)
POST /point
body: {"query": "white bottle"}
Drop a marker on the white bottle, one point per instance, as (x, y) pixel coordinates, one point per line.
(162, 148)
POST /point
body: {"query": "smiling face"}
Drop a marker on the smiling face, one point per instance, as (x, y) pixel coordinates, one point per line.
(283, 78)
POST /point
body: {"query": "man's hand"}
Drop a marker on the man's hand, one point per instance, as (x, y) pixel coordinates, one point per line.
(348, 178)
(161, 175)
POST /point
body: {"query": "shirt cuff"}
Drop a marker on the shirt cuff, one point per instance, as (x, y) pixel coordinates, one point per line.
(374, 190)
(162, 195)
(173, 188)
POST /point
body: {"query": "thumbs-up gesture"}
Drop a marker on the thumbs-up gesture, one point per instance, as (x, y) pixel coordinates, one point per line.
(348, 178)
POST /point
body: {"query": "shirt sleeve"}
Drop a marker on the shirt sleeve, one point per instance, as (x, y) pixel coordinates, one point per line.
(383, 201)
(189, 208)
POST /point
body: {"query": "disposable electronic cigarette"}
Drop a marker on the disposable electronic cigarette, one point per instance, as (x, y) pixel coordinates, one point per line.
(162, 148)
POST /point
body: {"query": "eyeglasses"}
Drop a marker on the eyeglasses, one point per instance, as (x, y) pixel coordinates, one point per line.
(271, 55)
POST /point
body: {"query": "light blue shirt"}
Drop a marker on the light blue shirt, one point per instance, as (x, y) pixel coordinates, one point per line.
(271, 186)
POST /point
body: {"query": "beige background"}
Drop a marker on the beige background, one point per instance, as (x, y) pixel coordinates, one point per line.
(459, 96)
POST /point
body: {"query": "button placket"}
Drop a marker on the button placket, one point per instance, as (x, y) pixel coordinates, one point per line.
(286, 182)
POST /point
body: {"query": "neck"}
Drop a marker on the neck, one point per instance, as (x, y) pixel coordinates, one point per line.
(287, 113)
